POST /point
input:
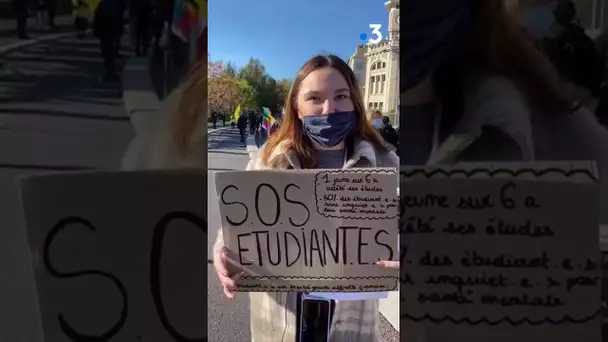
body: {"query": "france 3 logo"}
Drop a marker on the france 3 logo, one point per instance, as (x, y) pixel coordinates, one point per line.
(375, 36)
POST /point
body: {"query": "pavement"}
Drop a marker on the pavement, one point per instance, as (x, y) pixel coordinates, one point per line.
(37, 31)
(229, 319)
(55, 114)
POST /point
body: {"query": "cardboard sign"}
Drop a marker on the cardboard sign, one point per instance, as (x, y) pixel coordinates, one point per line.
(119, 256)
(313, 230)
(500, 253)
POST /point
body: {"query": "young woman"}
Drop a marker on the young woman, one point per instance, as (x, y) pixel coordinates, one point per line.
(324, 126)
(476, 88)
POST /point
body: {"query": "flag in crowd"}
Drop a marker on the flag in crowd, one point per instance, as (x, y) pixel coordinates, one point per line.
(189, 17)
(267, 118)
(237, 113)
(84, 8)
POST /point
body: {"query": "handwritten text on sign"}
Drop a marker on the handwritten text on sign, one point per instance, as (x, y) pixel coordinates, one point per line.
(311, 230)
(492, 251)
(118, 255)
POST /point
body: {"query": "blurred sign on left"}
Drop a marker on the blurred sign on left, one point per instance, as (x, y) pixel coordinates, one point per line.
(119, 256)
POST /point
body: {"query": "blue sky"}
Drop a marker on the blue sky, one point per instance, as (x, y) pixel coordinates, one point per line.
(283, 34)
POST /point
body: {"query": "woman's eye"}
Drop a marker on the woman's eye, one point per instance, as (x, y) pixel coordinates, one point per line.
(314, 98)
(341, 97)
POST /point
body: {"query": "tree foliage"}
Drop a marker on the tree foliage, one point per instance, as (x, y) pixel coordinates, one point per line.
(223, 91)
(250, 86)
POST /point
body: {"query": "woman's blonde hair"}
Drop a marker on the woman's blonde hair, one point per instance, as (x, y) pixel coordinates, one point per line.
(290, 129)
(192, 112)
(500, 44)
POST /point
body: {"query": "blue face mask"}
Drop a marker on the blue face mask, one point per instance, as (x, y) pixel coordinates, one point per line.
(329, 130)
(377, 123)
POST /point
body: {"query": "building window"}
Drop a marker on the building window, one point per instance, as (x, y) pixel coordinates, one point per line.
(371, 84)
(383, 81)
(369, 105)
(380, 105)
(383, 65)
(377, 85)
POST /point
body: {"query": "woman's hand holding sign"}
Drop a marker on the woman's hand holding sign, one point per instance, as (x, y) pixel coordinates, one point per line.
(227, 280)
(387, 263)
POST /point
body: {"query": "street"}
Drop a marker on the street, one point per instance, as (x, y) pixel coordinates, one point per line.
(229, 319)
(55, 115)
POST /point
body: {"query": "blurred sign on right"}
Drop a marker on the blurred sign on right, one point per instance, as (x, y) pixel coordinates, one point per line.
(500, 253)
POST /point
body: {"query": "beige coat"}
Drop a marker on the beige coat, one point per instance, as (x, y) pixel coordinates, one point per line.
(273, 315)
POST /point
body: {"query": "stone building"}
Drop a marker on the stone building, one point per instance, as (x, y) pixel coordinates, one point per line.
(377, 66)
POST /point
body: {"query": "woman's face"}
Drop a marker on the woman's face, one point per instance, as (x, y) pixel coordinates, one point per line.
(323, 91)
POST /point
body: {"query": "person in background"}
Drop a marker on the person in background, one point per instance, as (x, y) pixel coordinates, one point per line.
(214, 119)
(81, 17)
(324, 126)
(142, 14)
(21, 9)
(40, 12)
(106, 27)
(388, 133)
(375, 118)
(252, 122)
(483, 92)
(573, 52)
(242, 126)
(51, 8)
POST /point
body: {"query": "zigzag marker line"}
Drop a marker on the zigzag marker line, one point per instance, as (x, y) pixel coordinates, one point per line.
(495, 172)
(317, 278)
(503, 320)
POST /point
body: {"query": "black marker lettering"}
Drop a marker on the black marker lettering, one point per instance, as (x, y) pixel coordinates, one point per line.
(326, 241)
(388, 247)
(530, 202)
(240, 250)
(288, 263)
(315, 246)
(258, 245)
(277, 201)
(507, 202)
(274, 263)
(298, 203)
(64, 325)
(234, 223)
(155, 257)
(360, 245)
(304, 247)
(345, 242)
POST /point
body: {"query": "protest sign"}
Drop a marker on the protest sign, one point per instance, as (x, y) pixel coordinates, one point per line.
(500, 253)
(119, 256)
(311, 230)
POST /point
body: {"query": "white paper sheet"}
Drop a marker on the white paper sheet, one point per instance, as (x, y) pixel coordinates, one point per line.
(346, 295)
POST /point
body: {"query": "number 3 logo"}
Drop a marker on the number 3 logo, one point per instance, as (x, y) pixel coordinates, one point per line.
(377, 35)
